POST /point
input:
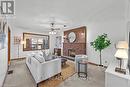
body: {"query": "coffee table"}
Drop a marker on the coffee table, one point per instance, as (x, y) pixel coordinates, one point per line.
(63, 61)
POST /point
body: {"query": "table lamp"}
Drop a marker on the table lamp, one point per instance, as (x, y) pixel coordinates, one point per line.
(121, 54)
(122, 45)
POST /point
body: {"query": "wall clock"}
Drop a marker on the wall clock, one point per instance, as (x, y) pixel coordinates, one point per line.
(71, 37)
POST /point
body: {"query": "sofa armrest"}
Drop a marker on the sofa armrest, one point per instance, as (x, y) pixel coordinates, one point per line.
(45, 70)
(50, 68)
(34, 67)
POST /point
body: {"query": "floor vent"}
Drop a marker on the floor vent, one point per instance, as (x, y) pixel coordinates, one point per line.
(10, 72)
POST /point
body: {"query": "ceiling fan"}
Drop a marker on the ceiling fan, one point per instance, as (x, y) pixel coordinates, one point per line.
(54, 28)
(53, 25)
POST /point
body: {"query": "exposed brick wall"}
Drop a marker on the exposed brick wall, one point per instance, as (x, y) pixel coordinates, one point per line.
(79, 45)
(80, 48)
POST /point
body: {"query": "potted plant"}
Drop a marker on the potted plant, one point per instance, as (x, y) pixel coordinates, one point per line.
(100, 43)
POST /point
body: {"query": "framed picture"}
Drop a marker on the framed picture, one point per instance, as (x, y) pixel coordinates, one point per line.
(35, 42)
(58, 43)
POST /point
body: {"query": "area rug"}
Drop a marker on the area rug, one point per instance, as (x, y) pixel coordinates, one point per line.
(67, 71)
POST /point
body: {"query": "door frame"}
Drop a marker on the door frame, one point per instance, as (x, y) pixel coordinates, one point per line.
(9, 44)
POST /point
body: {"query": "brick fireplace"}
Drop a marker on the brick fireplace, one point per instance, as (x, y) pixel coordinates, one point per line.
(71, 52)
(77, 47)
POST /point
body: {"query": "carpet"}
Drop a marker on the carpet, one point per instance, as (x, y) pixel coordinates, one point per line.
(21, 76)
(96, 78)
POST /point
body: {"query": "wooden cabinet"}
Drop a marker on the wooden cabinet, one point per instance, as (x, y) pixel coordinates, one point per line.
(115, 79)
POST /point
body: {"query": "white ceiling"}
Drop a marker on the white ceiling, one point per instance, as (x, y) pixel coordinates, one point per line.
(31, 13)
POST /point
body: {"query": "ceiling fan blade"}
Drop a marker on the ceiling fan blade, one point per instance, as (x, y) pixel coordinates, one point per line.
(56, 28)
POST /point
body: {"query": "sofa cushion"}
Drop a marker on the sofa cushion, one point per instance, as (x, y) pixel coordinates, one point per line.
(48, 57)
(39, 58)
(43, 54)
(40, 53)
(29, 60)
(47, 52)
(32, 54)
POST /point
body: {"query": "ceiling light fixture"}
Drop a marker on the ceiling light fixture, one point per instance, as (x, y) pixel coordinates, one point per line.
(54, 25)
(52, 32)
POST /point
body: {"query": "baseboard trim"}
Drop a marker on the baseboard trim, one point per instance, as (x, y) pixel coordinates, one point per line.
(93, 63)
(105, 66)
(19, 58)
(96, 64)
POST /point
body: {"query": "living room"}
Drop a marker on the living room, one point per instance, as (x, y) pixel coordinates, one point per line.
(68, 28)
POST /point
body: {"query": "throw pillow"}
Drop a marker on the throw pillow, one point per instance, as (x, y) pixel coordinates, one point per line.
(43, 54)
(33, 54)
(39, 58)
(47, 52)
(47, 56)
(40, 53)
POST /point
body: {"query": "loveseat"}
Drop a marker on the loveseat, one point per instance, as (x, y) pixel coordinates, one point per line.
(42, 70)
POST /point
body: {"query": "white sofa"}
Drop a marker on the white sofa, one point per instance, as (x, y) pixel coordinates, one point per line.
(45, 70)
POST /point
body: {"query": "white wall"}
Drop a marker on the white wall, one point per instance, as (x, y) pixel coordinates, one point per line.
(115, 29)
(52, 43)
(3, 65)
(53, 40)
(14, 48)
(3, 62)
(116, 32)
(128, 25)
(104, 16)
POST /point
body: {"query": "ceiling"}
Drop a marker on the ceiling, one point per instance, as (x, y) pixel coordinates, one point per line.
(30, 14)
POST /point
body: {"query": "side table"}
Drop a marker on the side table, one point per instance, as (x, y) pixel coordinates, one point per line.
(77, 59)
(82, 62)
